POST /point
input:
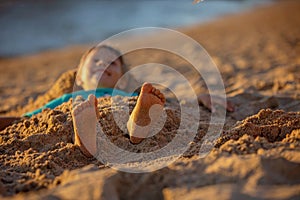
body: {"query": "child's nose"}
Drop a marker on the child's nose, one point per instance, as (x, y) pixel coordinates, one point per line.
(100, 62)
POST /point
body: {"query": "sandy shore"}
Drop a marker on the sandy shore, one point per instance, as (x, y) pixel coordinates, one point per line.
(256, 156)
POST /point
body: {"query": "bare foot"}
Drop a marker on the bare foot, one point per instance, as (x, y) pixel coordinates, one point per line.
(84, 123)
(148, 109)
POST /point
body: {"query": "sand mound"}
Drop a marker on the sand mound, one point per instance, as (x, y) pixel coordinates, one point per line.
(37, 150)
(63, 85)
(273, 126)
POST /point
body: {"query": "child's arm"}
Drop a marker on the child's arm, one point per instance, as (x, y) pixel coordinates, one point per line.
(205, 100)
(7, 121)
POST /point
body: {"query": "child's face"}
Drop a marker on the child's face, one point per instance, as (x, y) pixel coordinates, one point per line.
(95, 66)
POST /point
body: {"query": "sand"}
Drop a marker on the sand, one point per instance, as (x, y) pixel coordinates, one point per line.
(256, 156)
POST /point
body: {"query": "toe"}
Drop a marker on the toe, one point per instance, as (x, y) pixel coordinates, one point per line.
(92, 100)
(157, 92)
(161, 96)
(163, 99)
(147, 87)
(94, 103)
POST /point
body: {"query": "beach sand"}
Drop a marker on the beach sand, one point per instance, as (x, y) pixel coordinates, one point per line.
(257, 155)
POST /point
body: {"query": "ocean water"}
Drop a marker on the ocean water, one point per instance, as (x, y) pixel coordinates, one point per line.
(31, 26)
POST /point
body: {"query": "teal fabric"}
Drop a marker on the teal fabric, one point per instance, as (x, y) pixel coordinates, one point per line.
(99, 92)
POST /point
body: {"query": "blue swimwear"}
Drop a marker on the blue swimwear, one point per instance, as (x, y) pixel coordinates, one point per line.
(99, 92)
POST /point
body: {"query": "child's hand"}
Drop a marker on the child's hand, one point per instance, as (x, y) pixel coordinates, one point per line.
(216, 100)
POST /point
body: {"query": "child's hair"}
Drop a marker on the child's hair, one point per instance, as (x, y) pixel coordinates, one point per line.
(84, 56)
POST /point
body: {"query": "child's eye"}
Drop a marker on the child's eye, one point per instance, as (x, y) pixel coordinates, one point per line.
(96, 60)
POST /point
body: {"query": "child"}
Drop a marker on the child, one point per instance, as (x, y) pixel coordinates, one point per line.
(93, 64)
(108, 62)
(146, 112)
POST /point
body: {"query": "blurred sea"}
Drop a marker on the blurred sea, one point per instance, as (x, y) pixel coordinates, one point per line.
(31, 26)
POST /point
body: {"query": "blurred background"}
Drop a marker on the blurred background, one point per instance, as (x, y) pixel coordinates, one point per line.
(31, 26)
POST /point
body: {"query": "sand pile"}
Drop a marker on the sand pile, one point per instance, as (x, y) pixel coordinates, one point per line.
(274, 126)
(63, 85)
(36, 151)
